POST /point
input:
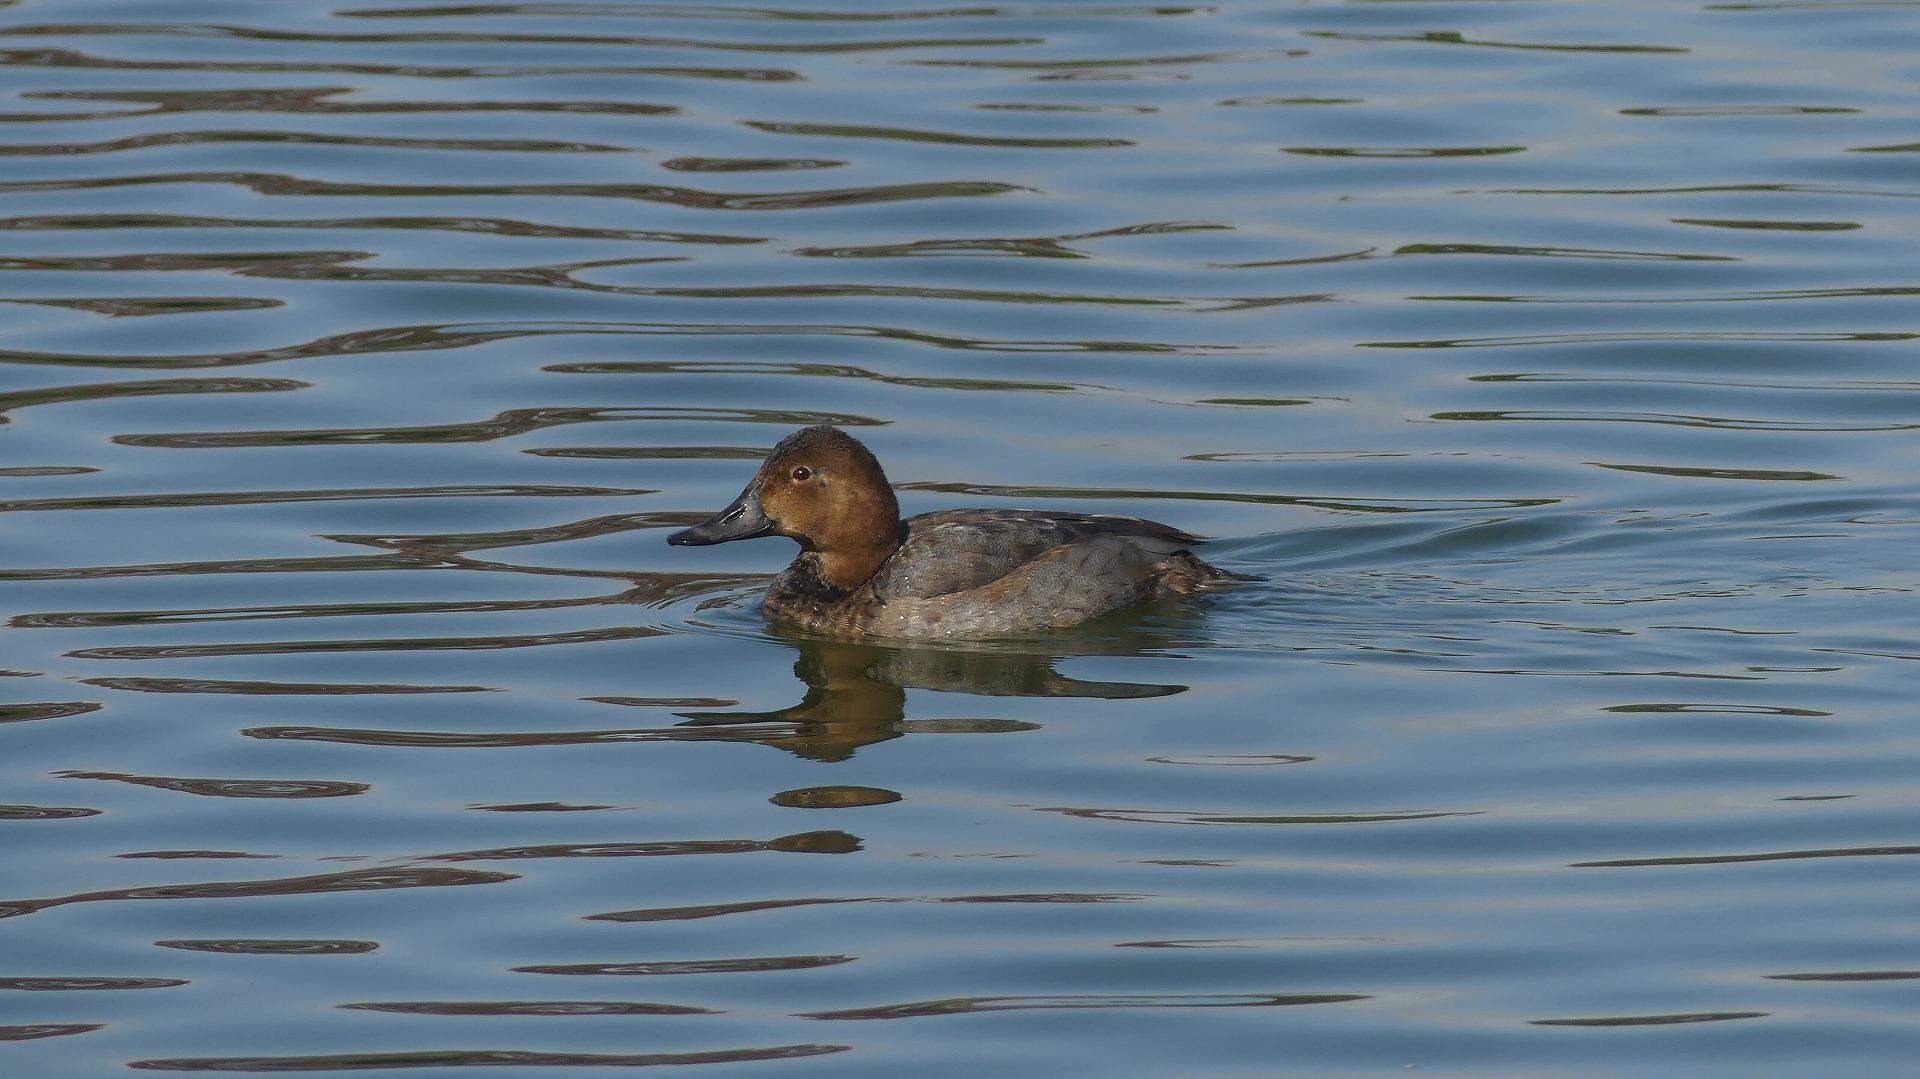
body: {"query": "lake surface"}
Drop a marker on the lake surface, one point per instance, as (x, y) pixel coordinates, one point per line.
(1554, 365)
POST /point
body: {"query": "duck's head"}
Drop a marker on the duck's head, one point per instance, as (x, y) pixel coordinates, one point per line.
(821, 488)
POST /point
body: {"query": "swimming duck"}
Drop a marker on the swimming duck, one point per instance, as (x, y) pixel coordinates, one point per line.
(862, 571)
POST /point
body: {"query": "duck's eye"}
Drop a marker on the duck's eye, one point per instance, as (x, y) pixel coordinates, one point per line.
(801, 472)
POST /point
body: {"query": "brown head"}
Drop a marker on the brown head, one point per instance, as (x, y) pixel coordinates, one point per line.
(823, 489)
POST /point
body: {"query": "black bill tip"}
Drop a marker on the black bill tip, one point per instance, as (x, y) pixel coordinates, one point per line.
(744, 519)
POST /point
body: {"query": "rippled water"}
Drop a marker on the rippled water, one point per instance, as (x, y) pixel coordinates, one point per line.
(1553, 363)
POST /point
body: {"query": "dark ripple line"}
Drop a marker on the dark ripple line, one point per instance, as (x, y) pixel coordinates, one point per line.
(22, 713)
(749, 14)
(1551, 252)
(1771, 474)
(1772, 856)
(353, 880)
(1452, 37)
(561, 276)
(1647, 336)
(277, 498)
(36, 471)
(1345, 256)
(748, 164)
(1405, 505)
(908, 134)
(334, 266)
(1020, 246)
(297, 99)
(329, 563)
(805, 369)
(464, 335)
(525, 1007)
(292, 265)
(1822, 385)
(176, 855)
(73, 59)
(442, 552)
(1870, 653)
(1739, 110)
(476, 1058)
(1248, 56)
(1673, 708)
(493, 226)
(757, 965)
(272, 183)
(397, 739)
(104, 619)
(61, 395)
(397, 644)
(1719, 423)
(1171, 816)
(969, 1005)
(716, 910)
(272, 947)
(649, 588)
(234, 788)
(1647, 1020)
(448, 37)
(508, 424)
(1770, 296)
(1849, 976)
(1704, 189)
(804, 841)
(1402, 152)
(271, 689)
(57, 985)
(416, 560)
(1753, 223)
(1808, 5)
(141, 306)
(309, 138)
(30, 1031)
(24, 812)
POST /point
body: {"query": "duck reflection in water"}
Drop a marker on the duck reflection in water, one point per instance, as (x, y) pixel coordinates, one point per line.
(856, 693)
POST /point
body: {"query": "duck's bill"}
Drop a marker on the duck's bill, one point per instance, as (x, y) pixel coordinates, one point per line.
(744, 519)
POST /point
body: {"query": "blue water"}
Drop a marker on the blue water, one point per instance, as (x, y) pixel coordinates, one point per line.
(1552, 364)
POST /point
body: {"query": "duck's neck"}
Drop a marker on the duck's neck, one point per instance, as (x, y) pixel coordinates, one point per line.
(846, 569)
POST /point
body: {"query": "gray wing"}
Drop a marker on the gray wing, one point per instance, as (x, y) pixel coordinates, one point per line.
(958, 550)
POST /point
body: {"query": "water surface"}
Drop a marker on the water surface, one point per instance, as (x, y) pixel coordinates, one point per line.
(1551, 363)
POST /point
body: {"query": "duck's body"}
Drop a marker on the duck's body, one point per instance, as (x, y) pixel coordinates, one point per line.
(956, 573)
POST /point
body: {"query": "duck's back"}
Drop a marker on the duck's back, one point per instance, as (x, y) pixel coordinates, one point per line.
(982, 573)
(960, 550)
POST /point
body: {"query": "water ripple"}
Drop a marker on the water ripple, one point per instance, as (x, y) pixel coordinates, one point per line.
(440, 37)
(264, 183)
(414, 644)
(74, 59)
(272, 947)
(526, 1007)
(967, 1005)
(235, 788)
(489, 226)
(352, 880)
(305, 138)
(470, 1058)
(589, 8)
(1637, 596)
(1451, 37)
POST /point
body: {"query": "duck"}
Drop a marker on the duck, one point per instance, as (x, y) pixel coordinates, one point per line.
(950, 574)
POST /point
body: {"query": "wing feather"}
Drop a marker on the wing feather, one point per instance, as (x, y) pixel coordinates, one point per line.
(959, 550)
